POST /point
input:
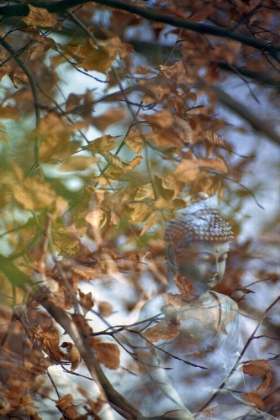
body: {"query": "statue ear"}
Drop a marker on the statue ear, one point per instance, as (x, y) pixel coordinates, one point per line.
(170, 255)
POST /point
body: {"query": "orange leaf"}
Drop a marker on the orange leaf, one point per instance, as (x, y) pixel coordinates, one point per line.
(254, 398)
(9, 111)
(256, 367)
(67, 408)
(108, 354)
(265, 383)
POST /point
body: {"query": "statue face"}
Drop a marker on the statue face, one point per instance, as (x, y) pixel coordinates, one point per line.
(203, 263)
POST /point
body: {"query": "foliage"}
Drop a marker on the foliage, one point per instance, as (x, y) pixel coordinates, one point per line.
(92, 170)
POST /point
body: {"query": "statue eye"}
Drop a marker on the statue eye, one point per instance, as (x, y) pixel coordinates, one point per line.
(223, 257)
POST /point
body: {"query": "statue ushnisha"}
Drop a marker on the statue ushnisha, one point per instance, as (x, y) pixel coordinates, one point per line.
(189, 349)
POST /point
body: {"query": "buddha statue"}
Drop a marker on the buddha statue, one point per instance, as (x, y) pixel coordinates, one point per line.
(190, 344)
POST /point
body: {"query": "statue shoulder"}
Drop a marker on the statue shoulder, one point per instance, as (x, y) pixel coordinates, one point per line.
(151, 308)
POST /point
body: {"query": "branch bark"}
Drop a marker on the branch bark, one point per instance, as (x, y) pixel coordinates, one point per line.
(61, 6)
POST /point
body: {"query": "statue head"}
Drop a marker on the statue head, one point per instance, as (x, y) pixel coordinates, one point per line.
(198, 243)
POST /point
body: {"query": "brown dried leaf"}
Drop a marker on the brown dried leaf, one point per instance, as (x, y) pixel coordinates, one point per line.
(265, 383)
(176, 71)
(112, 116)
(86, 301)
(162, 331)
(73, 354)
(213, 164)
(9, 112)
(162, 119)
(256, 367)
(81, 323)
(67, 408)
(105, 308)
(254, 398)
(108, 354)
(40, 17)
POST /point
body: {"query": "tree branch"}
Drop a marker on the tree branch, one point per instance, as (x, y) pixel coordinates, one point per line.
(60, 6)
(118, 402)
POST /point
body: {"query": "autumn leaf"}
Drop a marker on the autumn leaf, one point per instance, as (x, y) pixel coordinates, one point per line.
(140, 212)
(96, 218)
(162, 331)
(112, 116)
(78, 163)
(72, 355)
(34, 193)
(176, 71)
(105, 308)
(152, 220)
(103, 144)
(67, 408)
(39, 16)
(54, 135)
(264, 385)
(146, 192)
(9, 111)
(135, 141)
(108, 354)
(86, 301)
(254, 398)
(256, 367)
(213, 164)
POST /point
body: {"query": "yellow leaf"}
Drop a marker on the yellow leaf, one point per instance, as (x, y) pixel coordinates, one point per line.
(40, 17)
(104, 143)
(145, 192)
(135, 141)
(34, 193)
(185, 173)
(54, 133)
(108, 354)
(134, 163)
(140, 213)
(114, 160)
(78, 163)
(96, 218)
(176, 71)
(150, 222)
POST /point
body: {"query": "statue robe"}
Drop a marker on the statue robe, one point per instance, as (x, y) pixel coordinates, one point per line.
(180, 340)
